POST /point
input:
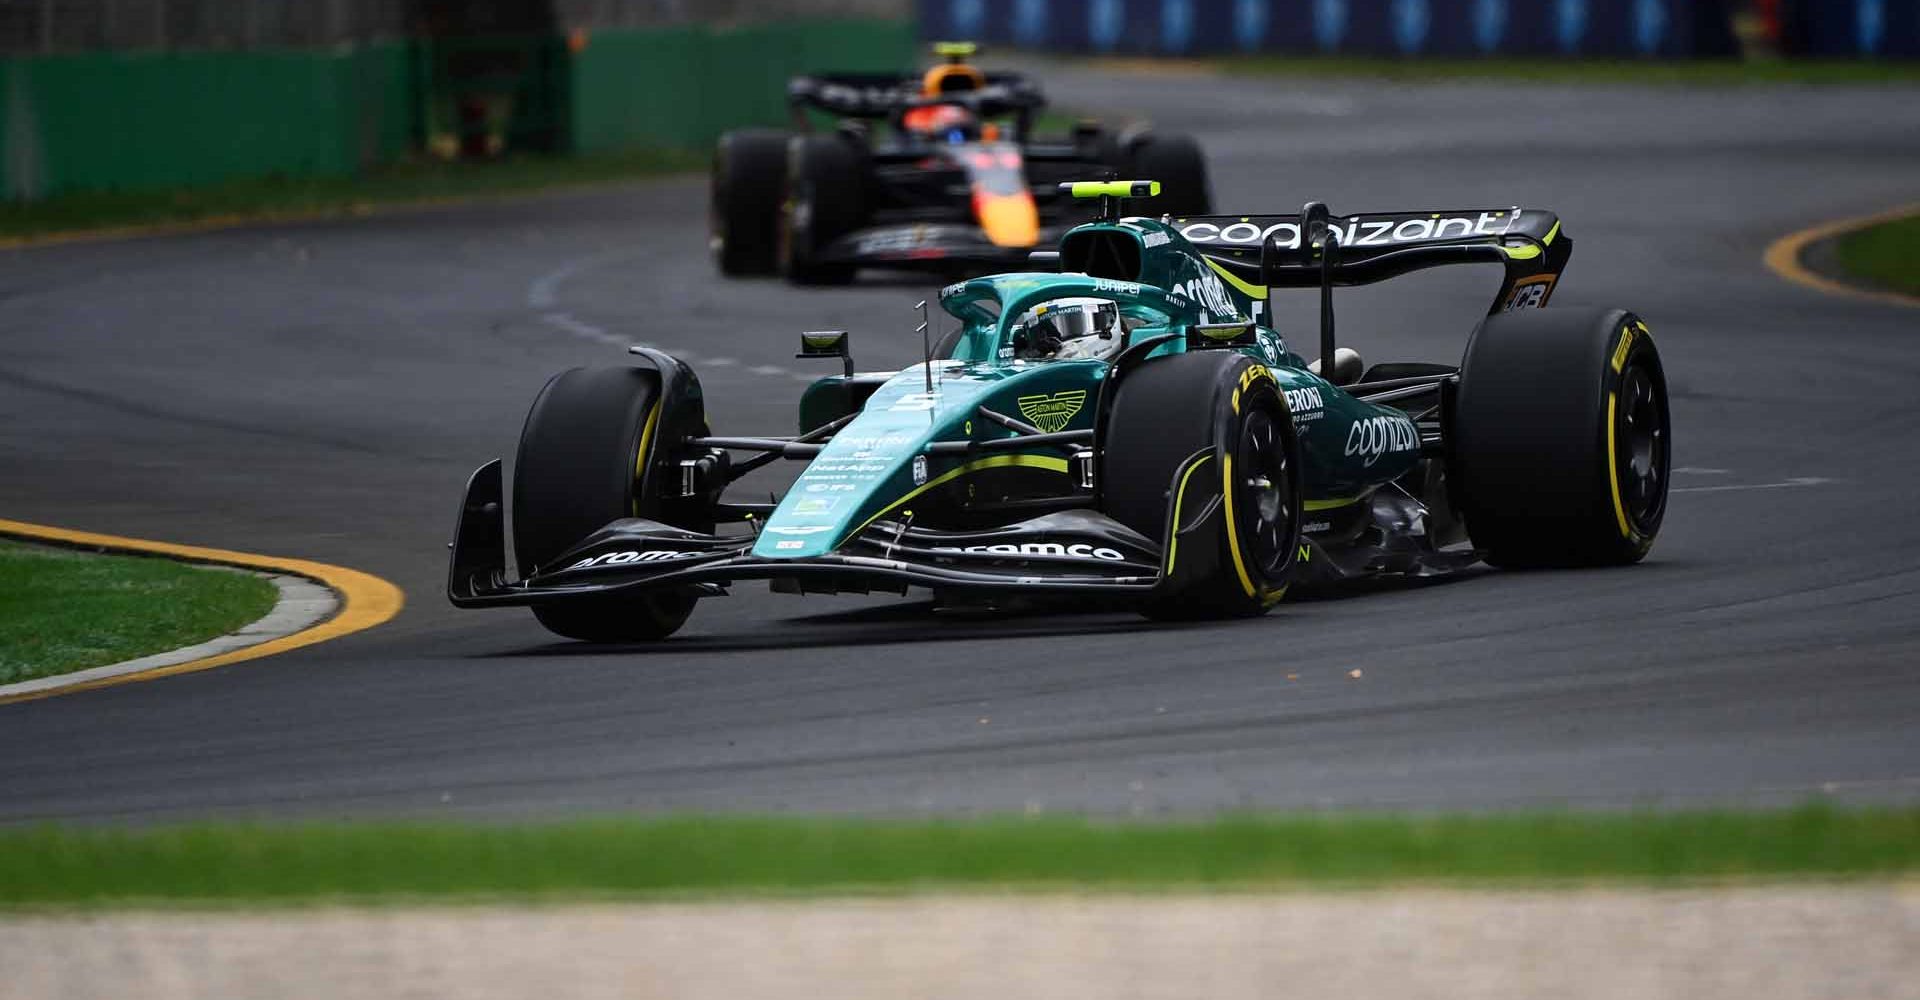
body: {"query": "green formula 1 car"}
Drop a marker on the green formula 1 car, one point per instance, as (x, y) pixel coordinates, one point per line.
(1120, 424)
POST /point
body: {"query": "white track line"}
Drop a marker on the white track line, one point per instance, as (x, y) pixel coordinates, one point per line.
(1794, 483)
(544, 295)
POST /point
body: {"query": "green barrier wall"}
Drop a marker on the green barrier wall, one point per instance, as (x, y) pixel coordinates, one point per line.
(95, 121)
(684, 86)
(130, 121)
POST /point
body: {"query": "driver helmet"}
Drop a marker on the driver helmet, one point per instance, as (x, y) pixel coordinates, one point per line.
(940, 118)
(951, 78)
(1069, 330)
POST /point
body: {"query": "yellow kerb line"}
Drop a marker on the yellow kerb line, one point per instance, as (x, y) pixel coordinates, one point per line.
(1783, 257)
(365, 599)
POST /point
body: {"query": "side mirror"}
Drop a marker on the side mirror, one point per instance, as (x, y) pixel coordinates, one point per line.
(827, 344)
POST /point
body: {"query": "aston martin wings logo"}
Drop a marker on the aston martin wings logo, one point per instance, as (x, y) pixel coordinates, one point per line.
(1052, 413)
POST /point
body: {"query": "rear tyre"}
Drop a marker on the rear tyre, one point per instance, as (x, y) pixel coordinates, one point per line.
(587, 456)
(826, 199)
(1099, 145)
(1177, 163)
(749, 180)
(1559, 439)
(1199, 450)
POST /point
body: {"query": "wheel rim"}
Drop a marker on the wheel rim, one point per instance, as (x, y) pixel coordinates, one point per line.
(796, 230)
(1265, 502)
(1640, 433)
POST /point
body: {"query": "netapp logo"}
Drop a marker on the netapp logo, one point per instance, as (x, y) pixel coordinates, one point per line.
(606, 559)
(1357, 232)
(1077, 550)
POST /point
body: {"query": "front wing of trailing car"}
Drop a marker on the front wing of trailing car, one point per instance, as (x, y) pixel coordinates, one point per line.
(930, 245)
(1066, 552)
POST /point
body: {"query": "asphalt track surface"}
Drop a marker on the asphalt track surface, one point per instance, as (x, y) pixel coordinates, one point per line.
(323, 390)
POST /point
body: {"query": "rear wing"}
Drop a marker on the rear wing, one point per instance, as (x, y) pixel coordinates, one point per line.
(883, 95)
(1288, 251)
(1319, 249)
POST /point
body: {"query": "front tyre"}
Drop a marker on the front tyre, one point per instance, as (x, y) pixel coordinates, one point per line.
(826, 199)
(588, 455)
(749, 180)
(1560, 439)
(1199, 450)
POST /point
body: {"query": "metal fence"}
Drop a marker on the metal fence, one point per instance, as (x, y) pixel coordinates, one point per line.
(77, 25)
(82, 25)
(641, 13)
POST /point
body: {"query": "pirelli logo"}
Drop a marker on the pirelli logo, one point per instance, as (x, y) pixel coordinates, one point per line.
(1620, 352)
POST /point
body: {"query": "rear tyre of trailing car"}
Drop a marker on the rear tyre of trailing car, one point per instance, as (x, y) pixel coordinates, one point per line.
(1181, 168)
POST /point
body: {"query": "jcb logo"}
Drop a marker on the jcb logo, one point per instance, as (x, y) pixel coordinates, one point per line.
(1531, 293)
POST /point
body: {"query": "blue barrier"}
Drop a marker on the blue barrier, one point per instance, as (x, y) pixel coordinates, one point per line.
(1850, 28)
(1611, 28)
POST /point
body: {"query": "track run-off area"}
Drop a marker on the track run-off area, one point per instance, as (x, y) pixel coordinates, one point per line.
(321, 391)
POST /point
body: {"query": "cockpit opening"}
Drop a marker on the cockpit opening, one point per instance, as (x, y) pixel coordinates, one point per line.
(1101, 253)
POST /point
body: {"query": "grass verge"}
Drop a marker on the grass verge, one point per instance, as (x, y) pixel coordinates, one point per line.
(291, 198)
(642, 857)
(1704, 73)
(1886, 255)
(63, 610)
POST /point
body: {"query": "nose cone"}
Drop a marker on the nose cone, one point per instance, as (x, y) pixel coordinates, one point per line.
(1010, 220)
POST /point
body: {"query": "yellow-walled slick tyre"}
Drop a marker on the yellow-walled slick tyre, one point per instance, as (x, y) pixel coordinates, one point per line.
(586, 457)
(1200, 450)
(1560, 439)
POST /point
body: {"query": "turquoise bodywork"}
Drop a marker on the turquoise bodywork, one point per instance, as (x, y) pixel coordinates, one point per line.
(877, 467)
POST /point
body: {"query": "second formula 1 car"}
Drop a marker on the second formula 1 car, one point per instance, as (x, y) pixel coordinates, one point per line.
(1117, 421)
(943, 172)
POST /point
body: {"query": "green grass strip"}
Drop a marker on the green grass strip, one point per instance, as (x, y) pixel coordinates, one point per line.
(641, 857)
(63, 610)
(1887, 255)
(283, 197)
(1703, 73)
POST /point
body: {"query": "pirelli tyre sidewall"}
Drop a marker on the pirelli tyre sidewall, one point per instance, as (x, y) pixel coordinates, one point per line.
(591, 452)
(1560, 438)
(748, 183)
(1200, 451)
(825, 200)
